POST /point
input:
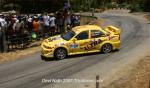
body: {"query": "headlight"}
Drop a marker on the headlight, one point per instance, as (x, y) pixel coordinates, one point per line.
(47, 47)
(46, 40)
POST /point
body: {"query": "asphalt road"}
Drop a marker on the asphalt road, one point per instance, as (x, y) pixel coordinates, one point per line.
(29, 71)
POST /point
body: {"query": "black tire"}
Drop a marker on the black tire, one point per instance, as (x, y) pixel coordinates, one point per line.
(106, 48)
(43, 58)
(60, 53)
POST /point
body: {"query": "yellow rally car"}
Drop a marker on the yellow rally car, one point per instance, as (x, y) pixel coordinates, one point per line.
(80, 40)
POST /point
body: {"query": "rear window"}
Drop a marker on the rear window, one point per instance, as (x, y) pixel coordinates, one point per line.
(96, 34)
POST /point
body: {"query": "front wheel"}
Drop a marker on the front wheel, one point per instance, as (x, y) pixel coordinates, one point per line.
(60, 53)
(43, 57)
(106, 48)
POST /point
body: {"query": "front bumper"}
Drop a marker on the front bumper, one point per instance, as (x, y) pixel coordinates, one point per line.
(47, 53)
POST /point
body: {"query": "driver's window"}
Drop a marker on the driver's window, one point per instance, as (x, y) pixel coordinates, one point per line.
(83, 35)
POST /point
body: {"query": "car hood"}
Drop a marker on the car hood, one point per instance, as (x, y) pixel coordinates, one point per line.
(55, 39)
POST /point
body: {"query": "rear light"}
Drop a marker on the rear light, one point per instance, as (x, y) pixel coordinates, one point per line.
(119, 37)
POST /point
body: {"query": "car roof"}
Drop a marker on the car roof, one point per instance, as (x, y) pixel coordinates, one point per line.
(79, 29)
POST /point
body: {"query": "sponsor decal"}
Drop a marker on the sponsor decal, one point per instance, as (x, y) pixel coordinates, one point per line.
(56, 38)
(111, 37)
(60, 44)
(93, 44)
(95, 34)
(74, 45)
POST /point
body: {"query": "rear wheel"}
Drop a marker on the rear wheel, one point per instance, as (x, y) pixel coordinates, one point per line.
(60, 53)
(106, 48)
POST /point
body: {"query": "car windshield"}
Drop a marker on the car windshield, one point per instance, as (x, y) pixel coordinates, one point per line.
(67, 36)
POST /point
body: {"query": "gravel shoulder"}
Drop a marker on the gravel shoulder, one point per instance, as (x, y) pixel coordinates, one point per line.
(136, 75)
(16, 54)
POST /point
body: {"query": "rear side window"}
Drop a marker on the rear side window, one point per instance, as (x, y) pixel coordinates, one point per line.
(96, 34)
(83, 35)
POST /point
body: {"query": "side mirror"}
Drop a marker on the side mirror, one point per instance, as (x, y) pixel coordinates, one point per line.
(74, 39)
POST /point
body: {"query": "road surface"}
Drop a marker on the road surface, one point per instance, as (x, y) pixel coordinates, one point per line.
(29, 71)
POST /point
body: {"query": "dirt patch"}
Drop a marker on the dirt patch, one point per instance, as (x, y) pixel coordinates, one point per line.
(137, 77)
(147, 17)
(13, 55)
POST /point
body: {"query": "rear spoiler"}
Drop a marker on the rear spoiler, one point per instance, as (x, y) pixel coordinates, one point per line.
(113, 29)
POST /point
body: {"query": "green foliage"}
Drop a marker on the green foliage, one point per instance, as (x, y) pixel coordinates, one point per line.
(37, 6)
(111, 5)
(135, 8)
(146, 5)
(124, 5)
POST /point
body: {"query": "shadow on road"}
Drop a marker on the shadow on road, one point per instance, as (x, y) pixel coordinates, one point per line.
(75, 56)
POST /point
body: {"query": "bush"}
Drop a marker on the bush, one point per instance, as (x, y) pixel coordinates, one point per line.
(124, 5)
(135, 8)
(146, 6)
(110, 5)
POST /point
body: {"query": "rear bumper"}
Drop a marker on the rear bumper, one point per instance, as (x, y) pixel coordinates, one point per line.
(116, 45)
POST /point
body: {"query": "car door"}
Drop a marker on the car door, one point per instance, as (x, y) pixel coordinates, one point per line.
(97, 37)
(82, 39)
